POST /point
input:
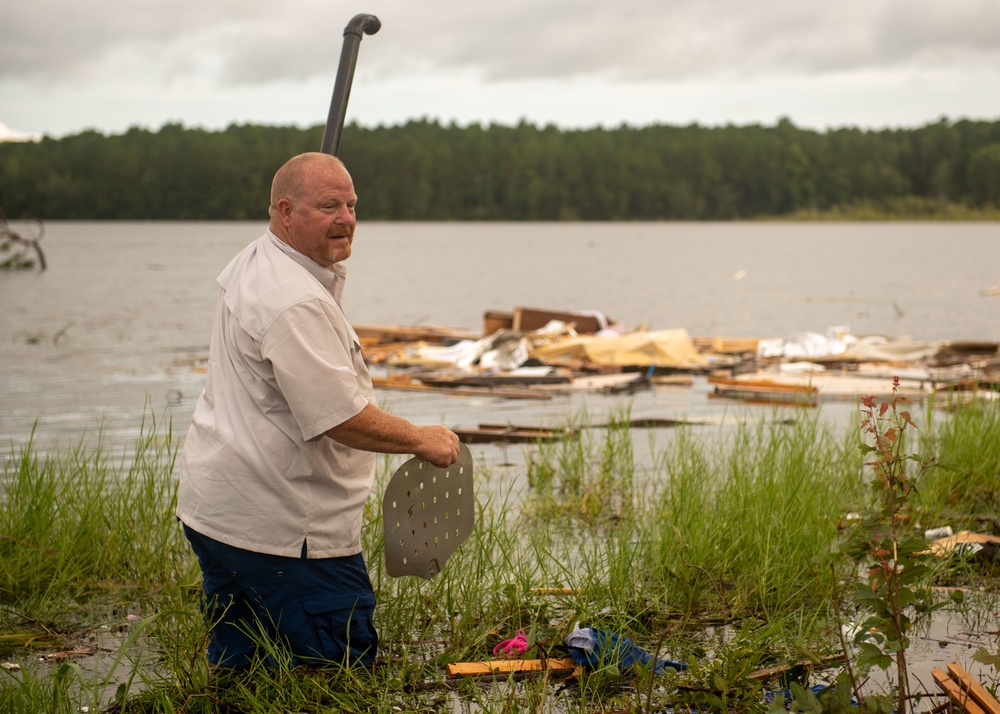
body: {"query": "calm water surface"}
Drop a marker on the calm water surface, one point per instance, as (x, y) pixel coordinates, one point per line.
(110, 332)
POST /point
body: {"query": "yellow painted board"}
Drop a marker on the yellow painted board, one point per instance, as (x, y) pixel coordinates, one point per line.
(505, 666)
(978, 691)
(959, 698)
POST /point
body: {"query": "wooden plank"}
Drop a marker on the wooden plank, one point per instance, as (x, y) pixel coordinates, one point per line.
(726, 345)
(412, 333)
(512, 435)
(959, 698)
(503, 392)
(541, 430)
(978, 691)
(762, 675)
(506, 666)
(751, 396)
(501, 379)
(528, 319)
(763, 385)
(494, 321)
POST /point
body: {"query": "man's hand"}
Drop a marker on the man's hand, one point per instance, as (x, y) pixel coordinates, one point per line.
(439, 445)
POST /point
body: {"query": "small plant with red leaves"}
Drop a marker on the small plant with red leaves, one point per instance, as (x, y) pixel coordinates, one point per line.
(892, 558)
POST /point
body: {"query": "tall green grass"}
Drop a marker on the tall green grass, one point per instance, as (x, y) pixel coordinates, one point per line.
(966, 443)
(79, 524)
(707, 539)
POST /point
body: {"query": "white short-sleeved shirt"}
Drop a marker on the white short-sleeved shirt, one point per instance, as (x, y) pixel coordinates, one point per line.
(285, 366)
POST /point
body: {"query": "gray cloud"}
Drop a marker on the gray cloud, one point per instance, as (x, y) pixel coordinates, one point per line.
(256, 42)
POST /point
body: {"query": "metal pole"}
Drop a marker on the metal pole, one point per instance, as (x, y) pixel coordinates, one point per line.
(359, 26)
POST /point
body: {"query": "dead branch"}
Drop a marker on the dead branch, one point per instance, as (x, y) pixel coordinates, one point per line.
(19, 252)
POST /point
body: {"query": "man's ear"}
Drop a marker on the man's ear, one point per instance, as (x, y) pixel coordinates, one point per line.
(284, 211)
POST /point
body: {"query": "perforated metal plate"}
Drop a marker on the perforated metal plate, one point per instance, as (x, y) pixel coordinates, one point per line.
(427, 512)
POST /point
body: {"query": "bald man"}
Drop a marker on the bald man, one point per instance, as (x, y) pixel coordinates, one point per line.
(280, 456)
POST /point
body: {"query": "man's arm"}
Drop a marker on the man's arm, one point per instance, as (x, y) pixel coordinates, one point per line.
(372, 429)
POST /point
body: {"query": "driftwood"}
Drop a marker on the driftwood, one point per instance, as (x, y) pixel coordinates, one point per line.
(18, 252)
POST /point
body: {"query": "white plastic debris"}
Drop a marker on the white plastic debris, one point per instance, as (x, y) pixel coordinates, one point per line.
(936, 533)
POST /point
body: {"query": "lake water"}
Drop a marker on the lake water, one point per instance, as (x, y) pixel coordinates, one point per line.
(110, 332)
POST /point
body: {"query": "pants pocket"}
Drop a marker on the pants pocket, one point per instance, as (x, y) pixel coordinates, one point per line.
(344, 626)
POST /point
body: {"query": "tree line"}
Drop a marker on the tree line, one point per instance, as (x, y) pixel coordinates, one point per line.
(424, 170)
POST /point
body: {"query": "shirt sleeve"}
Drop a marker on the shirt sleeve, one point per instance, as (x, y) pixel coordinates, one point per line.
(315, 360)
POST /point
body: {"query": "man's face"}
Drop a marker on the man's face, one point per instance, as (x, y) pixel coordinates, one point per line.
(321, 225)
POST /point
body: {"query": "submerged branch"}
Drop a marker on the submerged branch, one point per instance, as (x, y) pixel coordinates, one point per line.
(16, 250)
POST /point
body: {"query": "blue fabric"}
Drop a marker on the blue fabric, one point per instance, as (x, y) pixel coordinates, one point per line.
(611, 648)
(320, 608)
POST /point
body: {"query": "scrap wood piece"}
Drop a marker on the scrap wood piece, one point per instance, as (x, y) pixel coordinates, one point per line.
(583, 381)
(764, 384)
(726, 345)
(826, 662)
(505, 666)
(65, 655)
(376, 352)
(944, 546)
(471, 435)
(764, 390)
(763, 675)
(971, 686)
(412, 333)
(409, 385)
(555, 591)
(511, 434)
(528, 319)
(953, 689)
(498, 379)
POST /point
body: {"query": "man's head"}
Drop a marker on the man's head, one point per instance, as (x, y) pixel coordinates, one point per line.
(312, 207)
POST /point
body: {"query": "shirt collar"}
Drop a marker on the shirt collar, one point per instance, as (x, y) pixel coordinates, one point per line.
(332, 278)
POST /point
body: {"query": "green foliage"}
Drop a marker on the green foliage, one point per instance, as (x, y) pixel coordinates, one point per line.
(423, 170)
(722, 683)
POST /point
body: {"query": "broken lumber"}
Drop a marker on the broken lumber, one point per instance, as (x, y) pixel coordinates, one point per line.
(408, 385)
(964, 691)
(506, 666)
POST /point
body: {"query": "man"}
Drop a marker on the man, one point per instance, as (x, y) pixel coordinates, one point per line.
(279, 461)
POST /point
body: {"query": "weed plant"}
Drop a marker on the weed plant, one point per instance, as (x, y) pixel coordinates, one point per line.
(721, 551)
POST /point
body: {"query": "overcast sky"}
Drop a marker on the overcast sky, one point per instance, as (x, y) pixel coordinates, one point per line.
(66, 66)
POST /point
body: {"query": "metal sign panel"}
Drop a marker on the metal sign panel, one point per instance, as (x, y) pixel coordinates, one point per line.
(427, 513)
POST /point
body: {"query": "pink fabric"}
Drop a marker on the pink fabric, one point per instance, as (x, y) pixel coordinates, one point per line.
(513, 647)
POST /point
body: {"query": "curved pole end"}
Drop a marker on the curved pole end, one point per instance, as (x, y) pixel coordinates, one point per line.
(363, 23)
